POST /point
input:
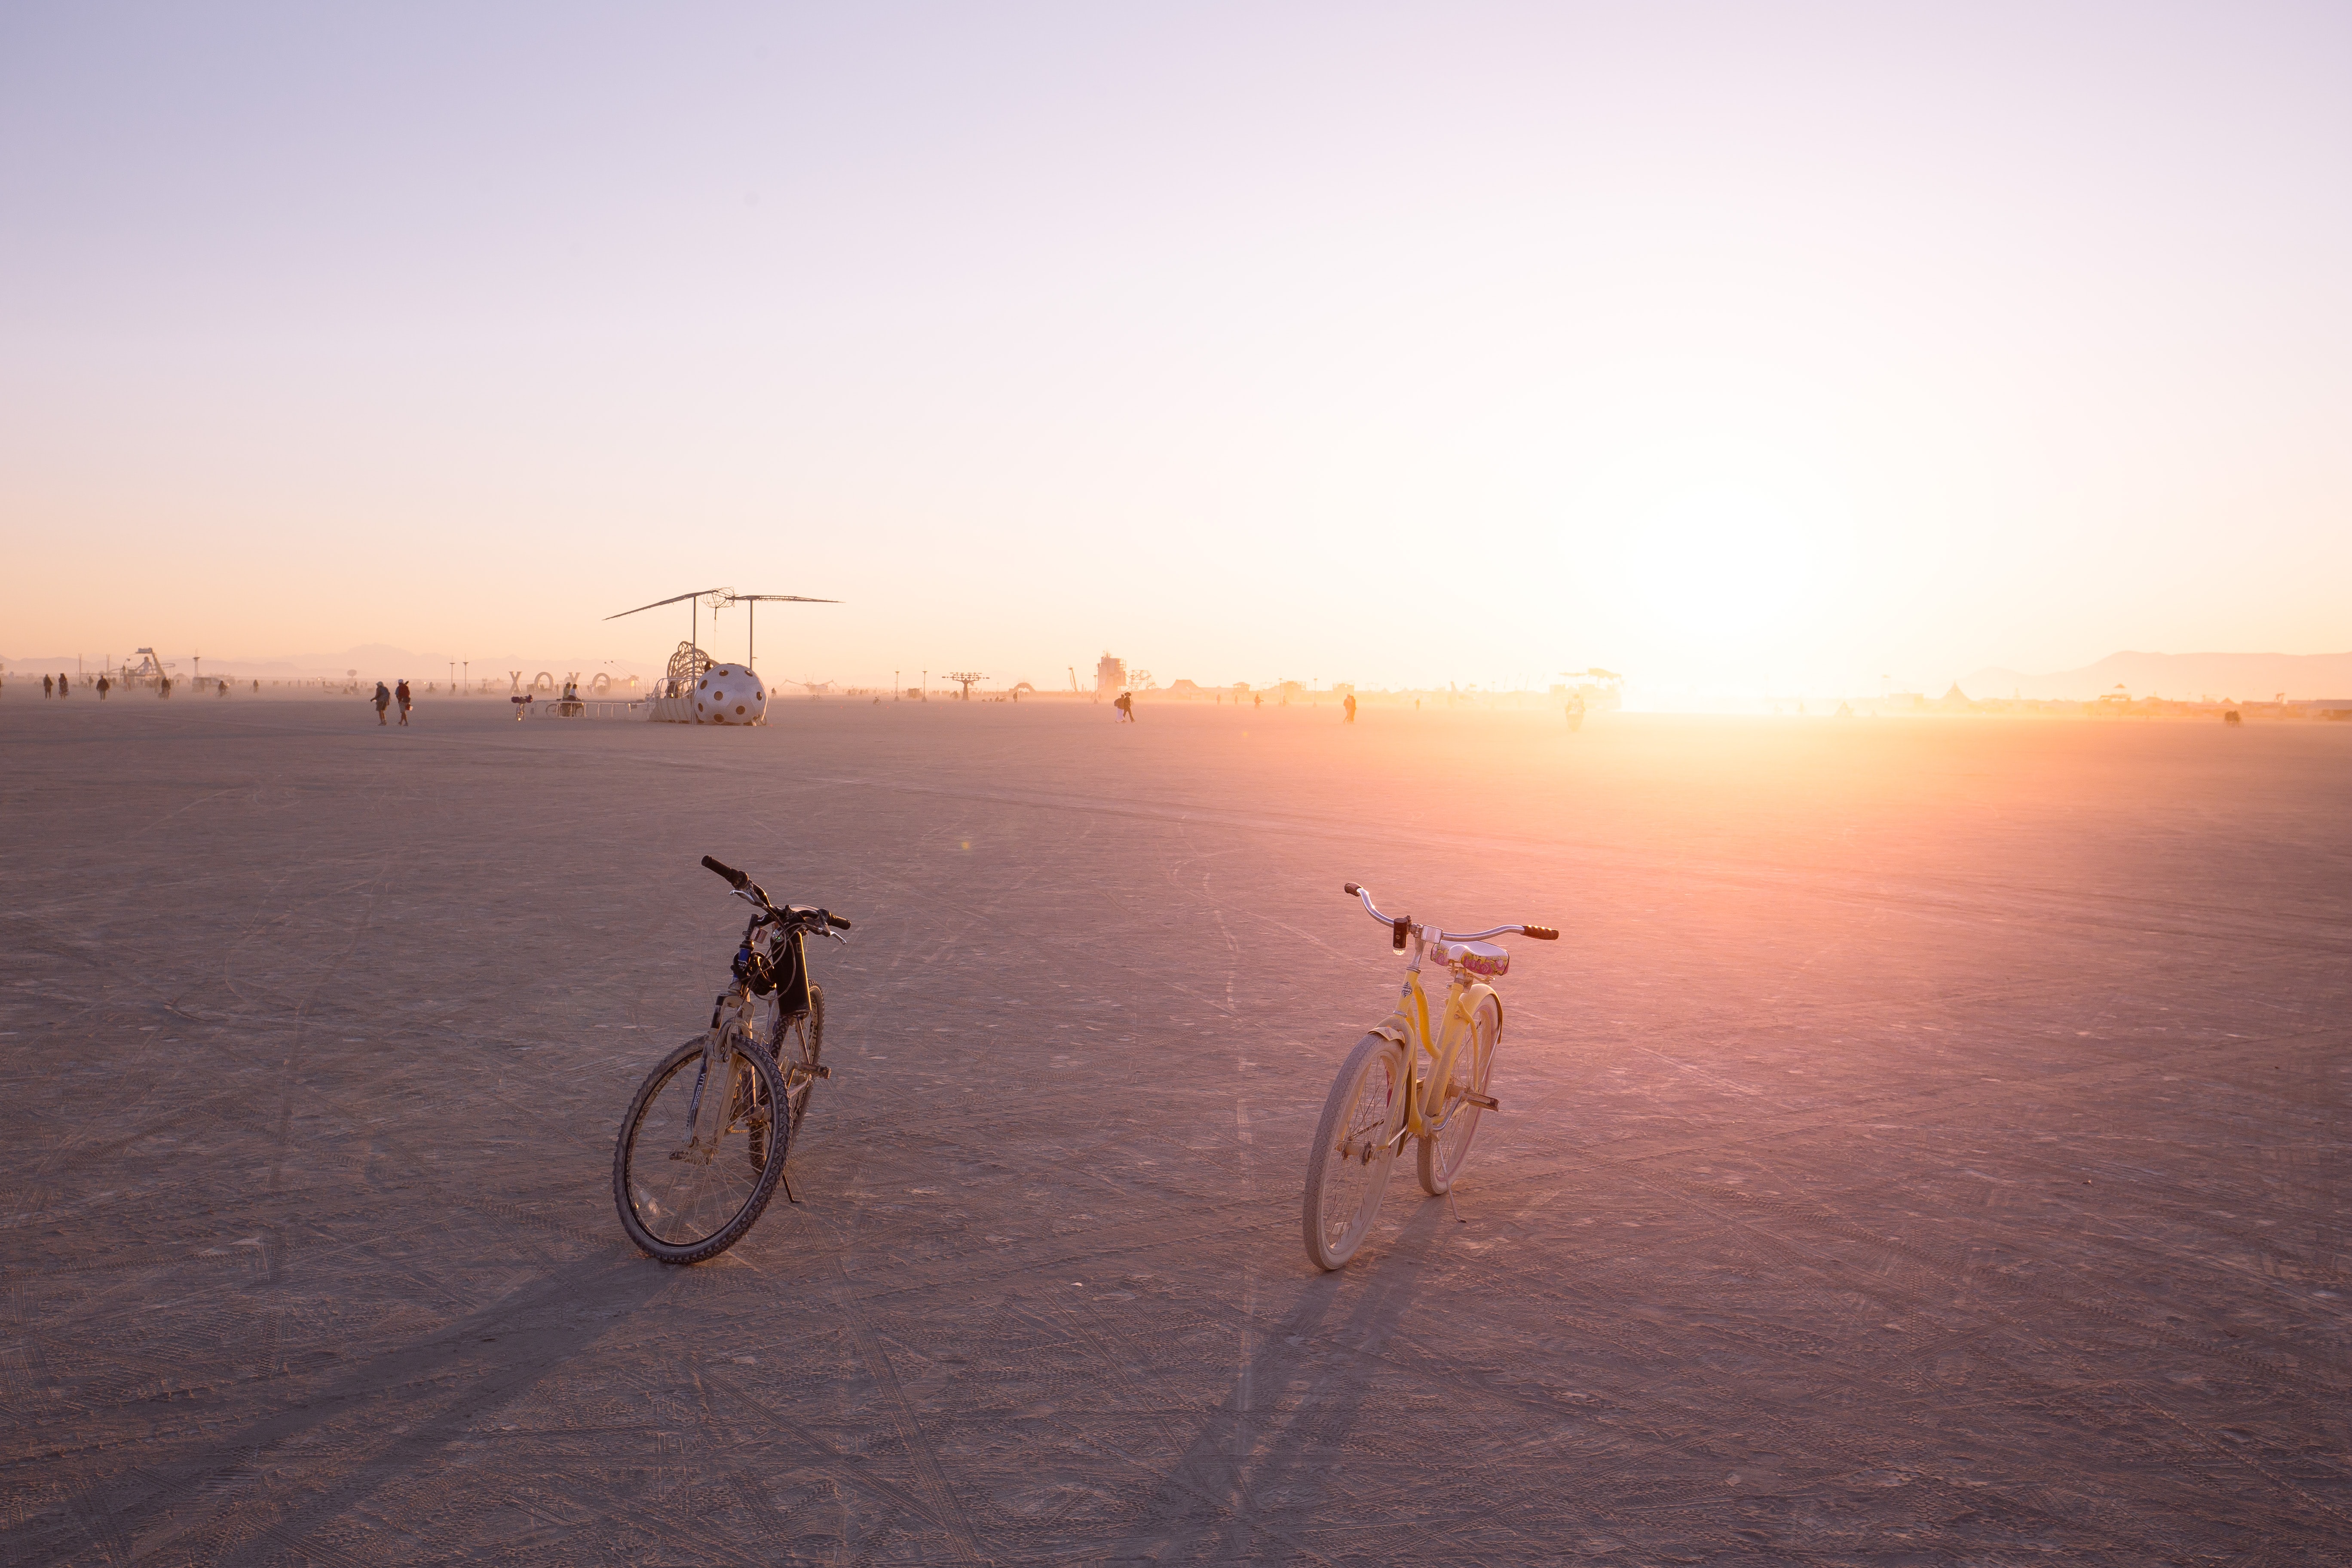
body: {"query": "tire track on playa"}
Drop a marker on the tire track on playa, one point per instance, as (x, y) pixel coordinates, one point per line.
(1670, 1433)
(1332, 1406)
(855, 1469)
(1923, 890)
(1228, 1497)
(1405, 1354)
(1949, 1260)
(1245, 1144)
(423, 1372)
(939, 1505)
(1879, 1289)
(1800, 1119)
(931, 1475)
(1228, 1494)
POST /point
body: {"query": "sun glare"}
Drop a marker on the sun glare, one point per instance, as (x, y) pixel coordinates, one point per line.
(1724, 567)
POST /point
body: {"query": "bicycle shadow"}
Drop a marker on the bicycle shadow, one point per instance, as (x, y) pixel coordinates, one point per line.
(1262, 1441)
(506, 1348)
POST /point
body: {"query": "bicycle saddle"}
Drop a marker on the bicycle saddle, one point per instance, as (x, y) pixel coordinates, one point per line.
(1475, 957)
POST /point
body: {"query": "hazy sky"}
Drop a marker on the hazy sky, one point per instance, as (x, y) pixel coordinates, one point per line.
(1727, 346)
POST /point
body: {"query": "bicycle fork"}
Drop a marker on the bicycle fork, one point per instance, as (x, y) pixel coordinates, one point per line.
(711, 1109)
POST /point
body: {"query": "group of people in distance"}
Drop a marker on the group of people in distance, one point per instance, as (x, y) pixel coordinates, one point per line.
(1125, 703)
(385, 699)
(61, 686)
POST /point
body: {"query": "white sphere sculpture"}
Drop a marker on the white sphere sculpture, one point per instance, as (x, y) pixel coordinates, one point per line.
(729, 694)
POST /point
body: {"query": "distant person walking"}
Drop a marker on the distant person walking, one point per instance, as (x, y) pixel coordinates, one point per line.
(383, 700)
(63, 690)
(46, 692)
(103, 686)
(164, 687)
(1126, 706)
(1351, 706)
(406, 698)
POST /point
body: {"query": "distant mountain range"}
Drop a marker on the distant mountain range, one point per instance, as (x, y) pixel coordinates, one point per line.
(2243, 677)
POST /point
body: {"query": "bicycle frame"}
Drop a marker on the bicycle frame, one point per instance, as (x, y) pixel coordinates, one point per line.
(731, 1030)
(1369, 1114)
(734, 1017)
(1409, 1026)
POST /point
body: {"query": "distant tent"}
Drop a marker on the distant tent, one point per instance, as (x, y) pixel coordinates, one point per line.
(1956, 700)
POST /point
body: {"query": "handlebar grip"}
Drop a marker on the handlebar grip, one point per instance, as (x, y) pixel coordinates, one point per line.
(835, 920)
(734, 878)
(1350, 889)
(1542, 933)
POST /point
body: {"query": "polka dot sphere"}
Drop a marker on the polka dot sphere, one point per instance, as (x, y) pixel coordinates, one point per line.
(729, 694)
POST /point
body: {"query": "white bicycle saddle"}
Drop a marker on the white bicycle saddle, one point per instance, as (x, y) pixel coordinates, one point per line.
(1475, 957)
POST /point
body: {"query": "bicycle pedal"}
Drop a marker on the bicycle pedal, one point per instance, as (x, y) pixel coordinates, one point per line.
(1484, 1102)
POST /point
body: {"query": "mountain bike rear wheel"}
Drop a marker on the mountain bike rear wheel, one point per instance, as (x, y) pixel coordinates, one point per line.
(1354, 1150)
(683, 1205)
(1442, 1157)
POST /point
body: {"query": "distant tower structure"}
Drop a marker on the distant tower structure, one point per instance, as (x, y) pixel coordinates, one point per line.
(1110, 675)
(966, 677)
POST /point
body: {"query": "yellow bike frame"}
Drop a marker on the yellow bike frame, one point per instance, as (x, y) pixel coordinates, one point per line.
(1409, 1027)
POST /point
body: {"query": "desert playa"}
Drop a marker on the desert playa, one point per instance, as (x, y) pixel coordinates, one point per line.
(1926, 1146)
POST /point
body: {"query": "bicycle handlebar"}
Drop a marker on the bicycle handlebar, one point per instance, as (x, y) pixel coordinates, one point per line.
(1400, 922)
(742, 882)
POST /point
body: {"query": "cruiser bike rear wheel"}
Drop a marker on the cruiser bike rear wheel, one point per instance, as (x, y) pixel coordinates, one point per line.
(1442, 1157)
(1348, 1170)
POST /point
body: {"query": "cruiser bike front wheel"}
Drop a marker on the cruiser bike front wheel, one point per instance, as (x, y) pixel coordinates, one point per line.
(1355, 1149)
(682, 1204)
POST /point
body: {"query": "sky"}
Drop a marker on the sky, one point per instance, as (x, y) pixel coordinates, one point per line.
(1739, 348)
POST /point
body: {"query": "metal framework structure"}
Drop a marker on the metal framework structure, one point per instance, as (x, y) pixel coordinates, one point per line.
(966, 677)
(752, 627)
(683, 665)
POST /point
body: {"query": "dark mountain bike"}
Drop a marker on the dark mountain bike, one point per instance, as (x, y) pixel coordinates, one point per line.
(706, 1138)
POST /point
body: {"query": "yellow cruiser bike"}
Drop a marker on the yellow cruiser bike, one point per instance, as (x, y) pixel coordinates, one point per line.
(1405, 1079)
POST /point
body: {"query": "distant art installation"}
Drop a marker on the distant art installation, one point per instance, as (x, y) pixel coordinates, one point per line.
(685, 667)
(729, 694)
(698, 691)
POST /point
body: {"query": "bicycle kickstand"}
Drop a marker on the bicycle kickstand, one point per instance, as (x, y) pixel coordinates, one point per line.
(787, 1175)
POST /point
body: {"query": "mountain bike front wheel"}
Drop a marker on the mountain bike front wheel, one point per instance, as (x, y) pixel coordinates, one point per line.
(682, 1204)
(1354, 1150)
(800, 1042)
(1442, 1157)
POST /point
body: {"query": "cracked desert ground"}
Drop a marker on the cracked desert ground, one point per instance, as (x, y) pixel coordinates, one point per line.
(1927, 1144)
